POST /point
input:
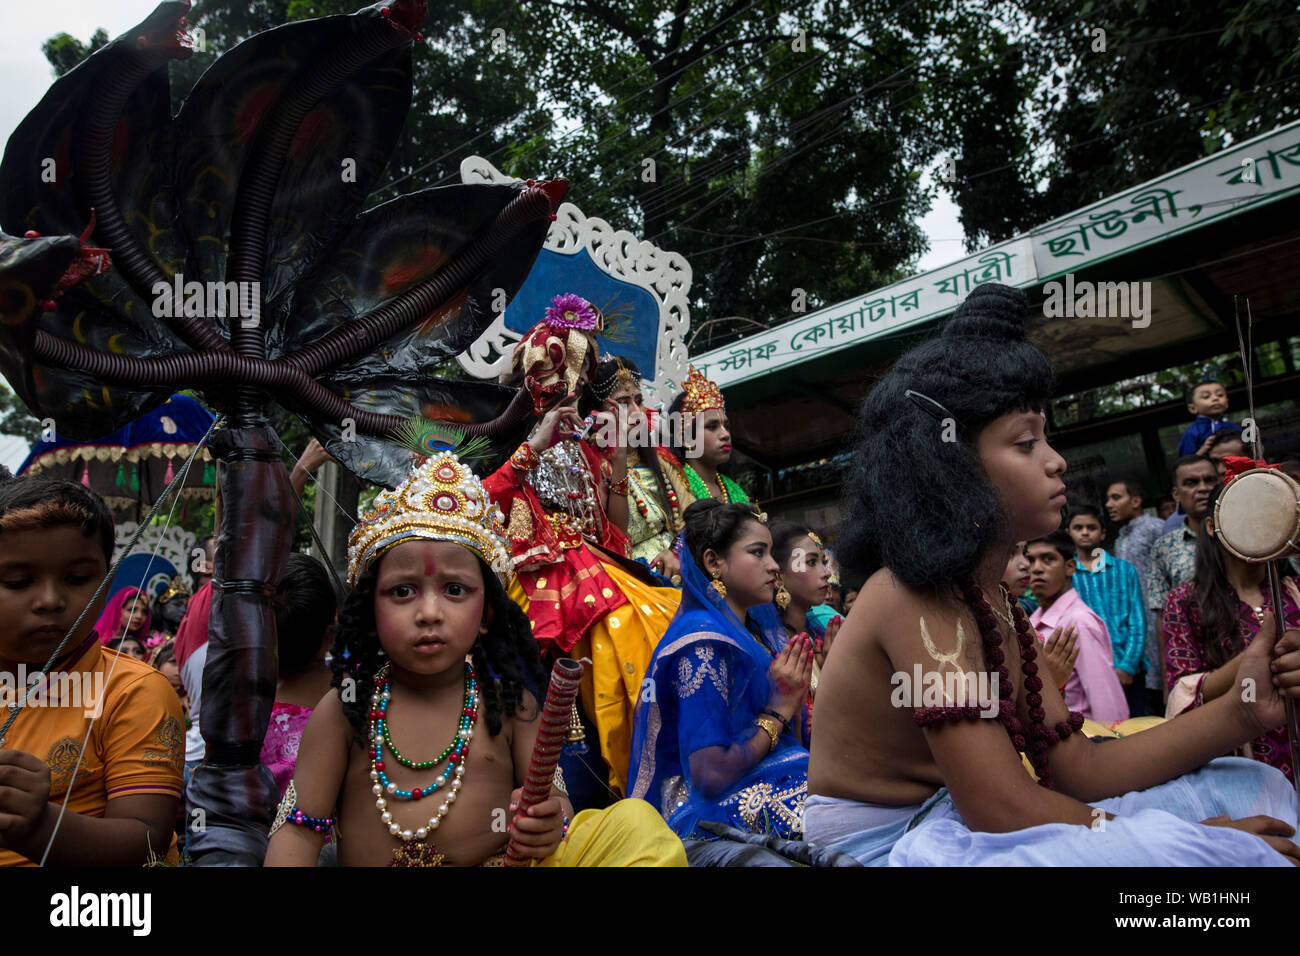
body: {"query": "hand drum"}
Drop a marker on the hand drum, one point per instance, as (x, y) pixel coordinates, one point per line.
(1257, 516)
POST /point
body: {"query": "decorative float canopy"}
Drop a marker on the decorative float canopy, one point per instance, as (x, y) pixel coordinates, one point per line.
(130, 468)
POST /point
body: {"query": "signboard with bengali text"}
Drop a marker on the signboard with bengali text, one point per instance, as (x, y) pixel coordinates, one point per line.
(1251, 174)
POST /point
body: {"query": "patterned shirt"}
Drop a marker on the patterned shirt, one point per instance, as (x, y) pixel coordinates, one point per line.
(1135, 541)
(1184, 656)
(1172, 563)
(1113, 590)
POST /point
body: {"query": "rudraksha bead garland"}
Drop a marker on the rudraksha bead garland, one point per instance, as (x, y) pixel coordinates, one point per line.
(1039, 738)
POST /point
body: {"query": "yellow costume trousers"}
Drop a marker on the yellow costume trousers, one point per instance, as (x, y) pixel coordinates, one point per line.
(620, 646)
(629, 833)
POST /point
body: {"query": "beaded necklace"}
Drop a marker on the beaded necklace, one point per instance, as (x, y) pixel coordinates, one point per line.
(730, 490)
(457, 740)
(645, 502)
(1035, 740)
(383, 788)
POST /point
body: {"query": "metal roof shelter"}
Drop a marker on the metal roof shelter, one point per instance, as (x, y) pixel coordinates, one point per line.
(1225, 226)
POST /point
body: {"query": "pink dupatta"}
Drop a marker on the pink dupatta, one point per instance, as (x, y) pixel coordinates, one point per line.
(109, 625)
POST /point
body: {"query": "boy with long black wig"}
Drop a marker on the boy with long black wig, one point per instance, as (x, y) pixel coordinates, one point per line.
(934, 520)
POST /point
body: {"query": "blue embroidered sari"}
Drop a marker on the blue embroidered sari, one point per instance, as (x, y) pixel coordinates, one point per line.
(707, 682)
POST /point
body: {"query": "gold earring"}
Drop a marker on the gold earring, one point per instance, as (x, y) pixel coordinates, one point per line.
(782, 598)
(718, 585)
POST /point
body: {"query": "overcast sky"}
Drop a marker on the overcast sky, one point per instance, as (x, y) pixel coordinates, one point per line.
(25, 75)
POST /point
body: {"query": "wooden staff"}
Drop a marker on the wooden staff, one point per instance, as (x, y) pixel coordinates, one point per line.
(560, 696)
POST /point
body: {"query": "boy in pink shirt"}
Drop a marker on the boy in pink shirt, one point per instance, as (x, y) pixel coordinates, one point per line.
(1093, 689)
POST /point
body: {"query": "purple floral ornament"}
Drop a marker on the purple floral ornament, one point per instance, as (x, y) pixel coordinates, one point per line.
(571, 311)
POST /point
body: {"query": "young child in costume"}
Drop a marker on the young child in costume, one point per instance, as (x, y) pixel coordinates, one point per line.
(942, 784)
(566, 502)
(436, 651)
(701, 414)
(103, 731)
(658, 494)
(723, 735)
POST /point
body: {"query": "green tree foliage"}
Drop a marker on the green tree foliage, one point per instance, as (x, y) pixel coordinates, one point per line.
(1175, 81)
(15, 419)
(779, 146)
(65, 51)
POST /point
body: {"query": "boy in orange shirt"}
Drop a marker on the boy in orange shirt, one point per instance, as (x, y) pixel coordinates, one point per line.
(103, 731)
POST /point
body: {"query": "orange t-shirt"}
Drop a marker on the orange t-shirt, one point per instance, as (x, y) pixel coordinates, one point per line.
(137, 735)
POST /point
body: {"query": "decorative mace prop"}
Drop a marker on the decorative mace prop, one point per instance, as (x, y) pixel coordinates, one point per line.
(565, 677)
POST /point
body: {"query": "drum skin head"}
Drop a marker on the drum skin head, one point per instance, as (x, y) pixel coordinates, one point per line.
(1257, 516)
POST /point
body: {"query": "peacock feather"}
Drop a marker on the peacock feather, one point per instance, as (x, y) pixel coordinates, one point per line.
(431, 438)
(618, 322)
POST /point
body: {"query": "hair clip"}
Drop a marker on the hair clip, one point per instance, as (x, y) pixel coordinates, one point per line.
(928, 405)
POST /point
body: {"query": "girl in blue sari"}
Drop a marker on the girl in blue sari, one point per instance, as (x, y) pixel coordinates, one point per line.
(719, 733)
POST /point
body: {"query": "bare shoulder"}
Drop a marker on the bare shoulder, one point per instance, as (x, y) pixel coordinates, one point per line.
(905, 620)
(891, 600)
(327, 718)
(523, 724)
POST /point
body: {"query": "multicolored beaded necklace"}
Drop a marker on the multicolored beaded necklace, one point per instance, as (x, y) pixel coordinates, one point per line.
(1037, 739)
(455, 754)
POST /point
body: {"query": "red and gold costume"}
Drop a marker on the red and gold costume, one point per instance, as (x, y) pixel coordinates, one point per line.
(555, 505)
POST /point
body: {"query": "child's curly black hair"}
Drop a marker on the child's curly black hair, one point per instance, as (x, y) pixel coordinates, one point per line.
(506, 657)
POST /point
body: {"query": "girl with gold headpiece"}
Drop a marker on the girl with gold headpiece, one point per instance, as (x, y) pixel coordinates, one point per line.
(428, 646)
(566, 501)
(702, 426)
(658, 493)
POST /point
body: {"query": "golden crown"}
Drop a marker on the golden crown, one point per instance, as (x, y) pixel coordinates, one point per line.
(701, 394)
(441, 500)
(176, 587)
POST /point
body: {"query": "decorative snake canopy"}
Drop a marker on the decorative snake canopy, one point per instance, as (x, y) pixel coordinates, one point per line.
(224, 249)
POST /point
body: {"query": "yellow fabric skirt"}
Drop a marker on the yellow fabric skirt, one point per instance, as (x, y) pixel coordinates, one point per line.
(629, 833)
(620, 646)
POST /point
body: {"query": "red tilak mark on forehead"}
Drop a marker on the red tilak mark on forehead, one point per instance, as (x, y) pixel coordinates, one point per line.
(428, 564)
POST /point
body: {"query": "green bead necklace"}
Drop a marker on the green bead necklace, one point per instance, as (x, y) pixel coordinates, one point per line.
(427, 764)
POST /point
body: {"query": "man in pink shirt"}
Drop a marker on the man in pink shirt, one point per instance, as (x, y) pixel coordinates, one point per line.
(1093, 689)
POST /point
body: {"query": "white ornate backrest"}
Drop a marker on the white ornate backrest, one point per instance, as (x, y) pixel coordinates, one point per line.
(666, 276)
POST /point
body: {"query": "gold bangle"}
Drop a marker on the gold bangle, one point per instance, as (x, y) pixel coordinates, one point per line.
(771, 728)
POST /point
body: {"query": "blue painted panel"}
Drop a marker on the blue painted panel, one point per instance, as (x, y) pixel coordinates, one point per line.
(631, 313)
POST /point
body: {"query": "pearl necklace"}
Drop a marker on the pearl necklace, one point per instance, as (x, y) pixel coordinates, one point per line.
(383, 788)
